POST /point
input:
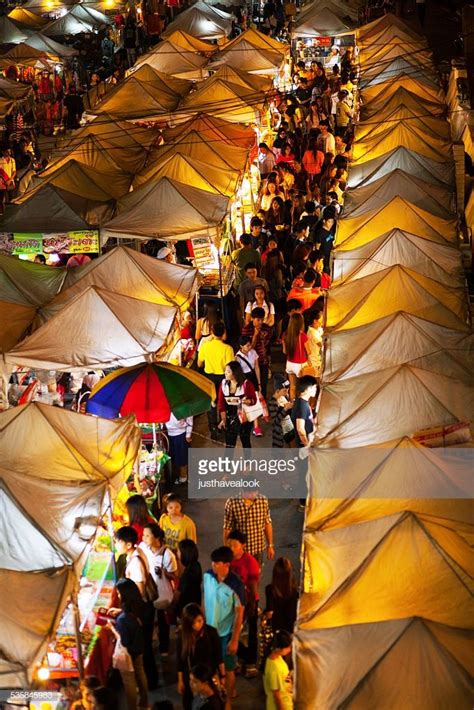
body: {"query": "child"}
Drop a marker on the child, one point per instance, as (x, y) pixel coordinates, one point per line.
(176, 525)
(248, 359)
(276, 678)
(180, 432)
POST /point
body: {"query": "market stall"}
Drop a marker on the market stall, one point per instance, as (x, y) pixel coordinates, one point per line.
(321, 33)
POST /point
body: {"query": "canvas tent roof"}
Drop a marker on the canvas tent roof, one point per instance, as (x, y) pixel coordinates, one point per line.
(190, 43)
(435, 199)
(381, 23)
(396, 288)
(436, 126)
(146, 92)
(130, 273)
(169, 58)
(13, 95)
(377, 96)
(46, 44)
(409, 135)
(98, 328)
(193, 172)
(94, 154)
(394, 340)
(435, 260)
(234, 75)
(400, 66)
(10, 33)
(167, 208)
(14, 321)
(373, 57)
(68, 25)
(127, 143)
(81, 180)
(27, 283)
(26, 56)
(51, 205)
(213, 129)
(248, 58)
(26, 17)
(398, 213)
(397, 476)
(228, 101)
(322, 21)
(257, 39)
(389, 404)
(193, 145)
(44, 6)
(401, 158)
(69, 465)
(418, 555)
(402, 96)
(201, 21)
(382, 662)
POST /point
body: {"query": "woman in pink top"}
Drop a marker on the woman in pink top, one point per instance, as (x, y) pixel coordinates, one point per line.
(313, 160)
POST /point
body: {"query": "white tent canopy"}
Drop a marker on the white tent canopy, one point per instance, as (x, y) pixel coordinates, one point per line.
(440, 262)
(395, 340)
(69, 463)
(401, 159)
(387, 404)
(377, 664)
(202, 21)
(324, 20)
(98, 328)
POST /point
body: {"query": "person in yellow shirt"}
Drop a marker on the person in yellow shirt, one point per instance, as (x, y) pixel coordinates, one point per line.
(277, 678)
(213, 356)
(175, 524)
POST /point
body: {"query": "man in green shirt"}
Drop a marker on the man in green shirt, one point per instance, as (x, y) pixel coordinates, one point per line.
(241, 257)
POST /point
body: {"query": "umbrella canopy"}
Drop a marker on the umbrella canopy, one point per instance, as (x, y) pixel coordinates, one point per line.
(152, 391)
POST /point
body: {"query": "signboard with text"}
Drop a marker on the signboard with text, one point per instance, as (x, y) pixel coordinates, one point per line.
(83, 242)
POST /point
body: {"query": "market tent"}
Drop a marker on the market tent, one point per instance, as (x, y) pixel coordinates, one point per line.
(391, 403)
(401, 158)
(201, 21)
(98, 328)
(46, 44)
(89, 153)
(389, 20)
(396, 339)
(15, 319)
(27, 283)
(397, 48)
(213, 130)
(398, 213)
(127, 143)
(42, 7)
(26, 56)
(128, 272)
(259, 40)
(91, 15)
(410, 135)
(69, 463)
(394, 289)
(228, 101)
(27, 18)
(425, 663)
(81, 180)
(400, 475)
(169, 58)
(420, 555)
(194, 146)
(377, 96)
(386, 37)
(323, 21)
(232, 75)
(193, 172)
(438, 200)
(340, 8)
(10, 33)
(252, 51)
(390, 71)
(190, 43)
(402, 96)
(67, 25)
(13, 96)
(49, 206)
(146, 92)
(435, 260)
(436, 126)
(167, 208)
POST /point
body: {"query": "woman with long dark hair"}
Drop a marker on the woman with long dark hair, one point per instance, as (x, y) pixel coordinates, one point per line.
(128, 655)
(270, 190)
(295, 347)
(196, 643)
(234, 392)
(276, 218)
(189, 590)
(313, 160)
(212, 315)
(282, 596)
(138, 514)
(206, 696)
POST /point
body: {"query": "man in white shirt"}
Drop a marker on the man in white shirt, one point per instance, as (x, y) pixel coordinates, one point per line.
(325, 141)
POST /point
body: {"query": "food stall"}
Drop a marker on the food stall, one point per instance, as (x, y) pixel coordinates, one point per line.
(52, 245)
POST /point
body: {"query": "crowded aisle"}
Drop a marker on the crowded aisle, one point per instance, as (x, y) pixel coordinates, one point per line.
(216, 233)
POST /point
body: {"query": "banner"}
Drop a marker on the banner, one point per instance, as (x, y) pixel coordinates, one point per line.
(84, 242)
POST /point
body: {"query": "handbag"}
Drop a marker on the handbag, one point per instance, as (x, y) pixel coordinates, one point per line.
(253, 411)
(150, 593)
(166, 597)
(121, 659)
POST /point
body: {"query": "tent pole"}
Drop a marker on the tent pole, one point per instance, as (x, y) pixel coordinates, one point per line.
(77, 632)
(220, 277)
(110, 527)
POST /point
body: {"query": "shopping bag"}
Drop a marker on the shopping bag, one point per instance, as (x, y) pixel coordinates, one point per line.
(253, 411)
(121, 660)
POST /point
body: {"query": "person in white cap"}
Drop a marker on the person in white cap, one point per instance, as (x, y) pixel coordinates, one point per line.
(165, 254)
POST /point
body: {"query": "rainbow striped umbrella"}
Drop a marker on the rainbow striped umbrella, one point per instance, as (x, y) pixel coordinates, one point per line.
(151, 391)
